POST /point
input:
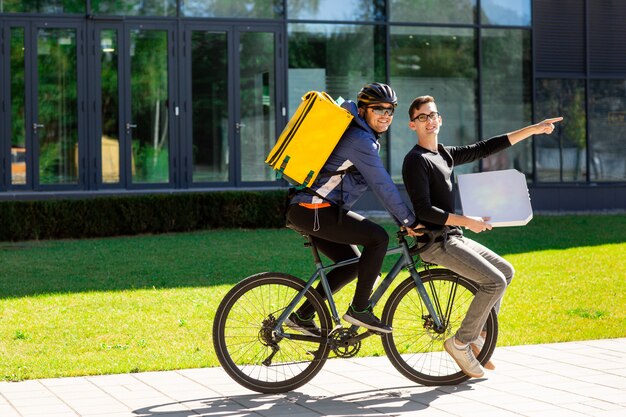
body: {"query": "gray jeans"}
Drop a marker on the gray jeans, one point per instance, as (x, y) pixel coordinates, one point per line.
(481, 265)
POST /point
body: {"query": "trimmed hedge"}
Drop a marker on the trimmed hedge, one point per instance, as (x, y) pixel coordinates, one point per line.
(129, 215)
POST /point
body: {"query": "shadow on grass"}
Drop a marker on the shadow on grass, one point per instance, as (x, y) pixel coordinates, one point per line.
(197, 259)
(224, 257)
(555, 233)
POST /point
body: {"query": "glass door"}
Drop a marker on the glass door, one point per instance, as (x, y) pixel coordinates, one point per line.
(107, 76)
(18, 144)
(45, 93)
(255, 126)
(149, 105)
(231, 101)
(55, 125)
(209, 105)
(133, 72)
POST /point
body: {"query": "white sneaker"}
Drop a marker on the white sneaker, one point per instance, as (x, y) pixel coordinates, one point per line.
(464, 358)
(477, 346)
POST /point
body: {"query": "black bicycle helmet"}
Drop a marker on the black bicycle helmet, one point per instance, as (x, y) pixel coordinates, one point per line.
(376, 93)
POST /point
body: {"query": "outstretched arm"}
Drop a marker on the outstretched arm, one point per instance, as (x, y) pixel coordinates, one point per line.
(480, 224)
(547, 126)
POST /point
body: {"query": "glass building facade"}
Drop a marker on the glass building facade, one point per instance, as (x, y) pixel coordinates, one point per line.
(108, 96)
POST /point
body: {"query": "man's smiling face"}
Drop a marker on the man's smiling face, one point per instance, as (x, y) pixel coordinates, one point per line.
(429, 127)
(379, 123)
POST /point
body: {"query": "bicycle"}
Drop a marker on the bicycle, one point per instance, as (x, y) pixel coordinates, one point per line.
(259, 352)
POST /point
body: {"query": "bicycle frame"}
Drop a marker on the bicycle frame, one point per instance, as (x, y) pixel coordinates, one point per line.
(405, 261)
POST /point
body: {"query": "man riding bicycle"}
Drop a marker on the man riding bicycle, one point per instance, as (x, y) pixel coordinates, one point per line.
(323, 211)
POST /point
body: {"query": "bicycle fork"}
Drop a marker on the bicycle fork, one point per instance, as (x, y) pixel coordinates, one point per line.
(433, 306)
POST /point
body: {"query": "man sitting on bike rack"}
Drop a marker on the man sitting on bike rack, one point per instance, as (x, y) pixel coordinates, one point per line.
(427, 171)
(322, 211)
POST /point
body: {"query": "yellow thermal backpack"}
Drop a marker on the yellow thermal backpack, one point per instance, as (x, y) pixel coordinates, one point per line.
(308, 139)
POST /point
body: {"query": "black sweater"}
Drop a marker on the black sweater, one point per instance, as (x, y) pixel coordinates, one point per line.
(427, 177)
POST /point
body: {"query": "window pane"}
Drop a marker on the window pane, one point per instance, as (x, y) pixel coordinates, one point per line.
(352, 10)
(257, 129)
(505, 12)
(607, 130)
(134, 7)
(439, 62)
(433, 11)
(506, 95)
(209, 89)
(50, 6)
(261, 9)
(149, 101)
(561, 155)
(56, 97)
(110, 140)
(337, 59)
(18, 124)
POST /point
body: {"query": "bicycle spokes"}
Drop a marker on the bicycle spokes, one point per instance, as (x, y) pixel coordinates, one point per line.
(254, 349)
(443, 300)
(415, 347)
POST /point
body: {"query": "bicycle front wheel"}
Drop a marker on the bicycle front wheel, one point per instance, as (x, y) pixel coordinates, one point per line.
(415, 348)
(248, 348)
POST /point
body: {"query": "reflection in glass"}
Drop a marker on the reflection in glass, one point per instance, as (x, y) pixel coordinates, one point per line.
(209, 89)
(18, 124)
(505, 12)
(439, 62)
(561, 156)
(350, 10)
(433, 11)
(607, 130)
(110, 140)
(260, 9)
(506, 89)
(338, 59)
(49, 6)
(149, 106)
(257, 129)
(134, 7)
(57, 111)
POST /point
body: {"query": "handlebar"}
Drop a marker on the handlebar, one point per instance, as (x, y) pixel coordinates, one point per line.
(415, 248)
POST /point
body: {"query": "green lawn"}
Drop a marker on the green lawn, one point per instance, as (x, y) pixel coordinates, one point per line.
(144, 303)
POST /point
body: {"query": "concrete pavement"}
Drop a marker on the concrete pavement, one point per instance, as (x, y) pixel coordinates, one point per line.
(564, 379)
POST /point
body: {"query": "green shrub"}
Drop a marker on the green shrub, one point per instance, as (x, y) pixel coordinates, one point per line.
(130, 215)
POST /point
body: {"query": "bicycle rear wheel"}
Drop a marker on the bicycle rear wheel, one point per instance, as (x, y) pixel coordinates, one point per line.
(246, 345)
(414, 348)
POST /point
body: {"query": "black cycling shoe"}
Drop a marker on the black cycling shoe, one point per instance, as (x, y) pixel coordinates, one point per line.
(366, 319)
(305, 326)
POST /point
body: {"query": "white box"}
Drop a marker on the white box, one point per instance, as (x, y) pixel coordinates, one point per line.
(500, 195)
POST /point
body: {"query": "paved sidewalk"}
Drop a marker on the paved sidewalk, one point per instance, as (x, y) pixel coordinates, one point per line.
(565, 379)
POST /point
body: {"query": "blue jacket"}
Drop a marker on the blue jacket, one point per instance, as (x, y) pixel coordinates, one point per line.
(358, 147)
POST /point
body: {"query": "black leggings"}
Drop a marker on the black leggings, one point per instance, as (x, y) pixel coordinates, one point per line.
(334, 240)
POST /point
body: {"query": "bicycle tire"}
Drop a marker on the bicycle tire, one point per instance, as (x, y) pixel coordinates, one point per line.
(242, 331)
(414, 348)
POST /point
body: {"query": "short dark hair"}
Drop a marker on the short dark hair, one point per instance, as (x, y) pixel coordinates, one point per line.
(417, 103)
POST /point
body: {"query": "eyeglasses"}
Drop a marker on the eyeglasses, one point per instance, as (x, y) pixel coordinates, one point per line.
(382, 111)
(422, 117)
